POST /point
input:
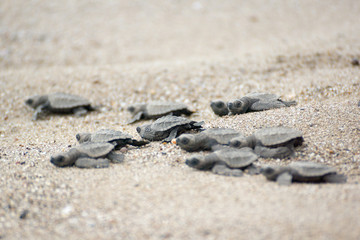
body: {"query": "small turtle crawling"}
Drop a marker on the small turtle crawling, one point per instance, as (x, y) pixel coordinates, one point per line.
(88, 155)
(59, 103)
(207, 139)
(117, 138)
(257, 102)
(228, 162)
(157, 109)
(274, 142)
(166, 128)
(303, 172)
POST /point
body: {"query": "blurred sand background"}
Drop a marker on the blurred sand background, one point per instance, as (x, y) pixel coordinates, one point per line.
(120, 52)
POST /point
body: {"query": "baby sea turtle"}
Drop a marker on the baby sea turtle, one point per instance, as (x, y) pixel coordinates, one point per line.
(273, 142)
(154, 110)
(228, 162)
(117, 138)
(88, 155)
(207, 139)
(303, 172)
(59, 103)
(166, 128)
(257, 102)
(219, 107)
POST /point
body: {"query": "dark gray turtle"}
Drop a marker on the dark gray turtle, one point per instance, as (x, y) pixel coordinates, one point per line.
(59, 103)
(118, 138)
(273, 142)
(219, 107)
(228, 162)
(257, 102)
(85, 155)
(166, 128)
(302, 172)
(157, 109)
(207, 139)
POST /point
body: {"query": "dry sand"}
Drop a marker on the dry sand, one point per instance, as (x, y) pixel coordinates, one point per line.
(121, 52)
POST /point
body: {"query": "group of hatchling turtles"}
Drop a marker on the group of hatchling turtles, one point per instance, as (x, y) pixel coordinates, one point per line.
(230, 152)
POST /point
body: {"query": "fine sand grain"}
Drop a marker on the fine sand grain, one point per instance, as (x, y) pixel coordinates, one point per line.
(120, 52)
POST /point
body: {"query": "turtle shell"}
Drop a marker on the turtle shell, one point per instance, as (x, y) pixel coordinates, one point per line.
(95, 149)
(168, 122)
(66, 101)
(263, 96)
(236, 158)
(109, 135)
(161, 108)
(311, 169)
(221, 135)
(277, 135)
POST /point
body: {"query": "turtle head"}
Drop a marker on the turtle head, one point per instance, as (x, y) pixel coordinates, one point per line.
(239, 142)
(196, 161)
(270, 172)
(59, 160)
(187, 142)
(36, 100)
(145, 131)
(219, 108)
(238, 106)
(135, 108)
(83, 137)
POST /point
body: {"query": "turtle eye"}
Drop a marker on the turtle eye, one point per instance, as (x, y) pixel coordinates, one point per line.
(192, 162)
(131, 109)
(78, 137)
(138, 129)
(237, 104)
(185, 140)
(220, 104)
(235, 143)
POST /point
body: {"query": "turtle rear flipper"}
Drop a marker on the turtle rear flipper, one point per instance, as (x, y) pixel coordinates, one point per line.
(335, 178)
(85, 162)
(284, 179)
(222, 169)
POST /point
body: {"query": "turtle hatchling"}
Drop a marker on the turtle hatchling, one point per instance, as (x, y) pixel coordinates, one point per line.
(257, 102)
(207, 139)
(88, 155)
(167, 128)
(219, 107)
(154, 110)
(117, 138)
(59, 103)
(273, 142)
(228, 162)
(303, 172)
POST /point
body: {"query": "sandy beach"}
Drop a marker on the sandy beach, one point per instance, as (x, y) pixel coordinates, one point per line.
(116, 53)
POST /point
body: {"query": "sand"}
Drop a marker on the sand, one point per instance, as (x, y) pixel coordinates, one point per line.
(120, 52)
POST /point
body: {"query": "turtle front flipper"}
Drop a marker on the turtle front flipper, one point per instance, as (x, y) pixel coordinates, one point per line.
(116, 157)
(172, 135)
(222, 169)
(79, 111)
(138, 143)
(288, 103)
(136, 117)
(284, 179)
(85, 162)
(335, 178)
(40, 110)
